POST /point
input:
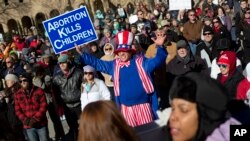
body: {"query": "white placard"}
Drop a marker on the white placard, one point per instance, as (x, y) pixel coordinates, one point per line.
(1, 37)
(216, 2)
(179, 4)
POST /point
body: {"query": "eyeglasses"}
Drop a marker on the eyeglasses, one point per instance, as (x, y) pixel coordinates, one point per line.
(24, 80)
(207, 34)
(106, 49)
(89, 73)
(222, 65)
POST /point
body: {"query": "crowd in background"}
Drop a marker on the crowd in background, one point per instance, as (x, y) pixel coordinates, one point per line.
(209, 39)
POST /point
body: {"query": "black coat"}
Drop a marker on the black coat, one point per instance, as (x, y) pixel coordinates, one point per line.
(69, 87)
(195, 64)
(231, 83)
(222, 33)
(212, 53)
(176, 67)
(245, 37)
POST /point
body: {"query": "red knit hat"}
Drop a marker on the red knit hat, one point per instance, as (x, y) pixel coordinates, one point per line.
(228, 58)
(224, 60)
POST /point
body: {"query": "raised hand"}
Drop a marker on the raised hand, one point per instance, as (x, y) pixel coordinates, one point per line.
(78, 49)
(160, 38)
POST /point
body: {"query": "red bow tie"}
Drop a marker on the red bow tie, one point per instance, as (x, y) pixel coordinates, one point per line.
(122, 64)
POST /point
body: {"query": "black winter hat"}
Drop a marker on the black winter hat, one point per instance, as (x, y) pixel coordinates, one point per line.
(223, 44)
(208, 29)
(26, 75)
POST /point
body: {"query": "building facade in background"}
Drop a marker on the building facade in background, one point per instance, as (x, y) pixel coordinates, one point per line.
(17, 16)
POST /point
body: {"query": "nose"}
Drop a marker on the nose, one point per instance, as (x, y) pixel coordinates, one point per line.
(173, 116)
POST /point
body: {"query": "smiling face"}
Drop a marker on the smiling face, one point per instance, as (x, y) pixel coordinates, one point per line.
(124, 56)
(183, 120)
(89, 76)
(224, 69)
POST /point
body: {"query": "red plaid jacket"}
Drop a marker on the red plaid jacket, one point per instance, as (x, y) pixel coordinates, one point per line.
(31, 105)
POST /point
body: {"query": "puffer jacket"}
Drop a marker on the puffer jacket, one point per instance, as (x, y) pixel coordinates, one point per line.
(69, 87)
(222, 133)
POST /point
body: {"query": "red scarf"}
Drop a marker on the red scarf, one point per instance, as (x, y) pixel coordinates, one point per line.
(223, 79)
(216, 29)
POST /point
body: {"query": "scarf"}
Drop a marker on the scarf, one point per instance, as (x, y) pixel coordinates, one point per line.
(185, 59)
(248, 21)
(223, 78)
(146, 82)
(217, 29)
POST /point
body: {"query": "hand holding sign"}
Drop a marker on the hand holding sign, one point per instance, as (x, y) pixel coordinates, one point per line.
(78, 49)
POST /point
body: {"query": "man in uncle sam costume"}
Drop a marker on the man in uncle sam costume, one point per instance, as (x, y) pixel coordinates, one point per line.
(133, 86)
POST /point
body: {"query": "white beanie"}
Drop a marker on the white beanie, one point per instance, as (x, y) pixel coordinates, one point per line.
(11, 77)
(88, 68)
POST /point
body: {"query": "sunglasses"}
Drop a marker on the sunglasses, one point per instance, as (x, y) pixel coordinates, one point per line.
(222, 66)
(24, 80)
(207, 34)
(106, 49)
(88, 73)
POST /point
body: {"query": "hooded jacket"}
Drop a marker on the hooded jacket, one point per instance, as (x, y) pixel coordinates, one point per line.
(234, 76)
(222, 133)
(211, 99)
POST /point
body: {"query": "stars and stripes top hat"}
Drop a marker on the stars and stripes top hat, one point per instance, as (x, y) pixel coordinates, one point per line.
(125, 40)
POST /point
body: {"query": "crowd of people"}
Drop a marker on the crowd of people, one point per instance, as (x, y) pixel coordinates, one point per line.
(147, 58)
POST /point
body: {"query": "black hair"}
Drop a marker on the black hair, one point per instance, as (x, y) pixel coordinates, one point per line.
(38, 70)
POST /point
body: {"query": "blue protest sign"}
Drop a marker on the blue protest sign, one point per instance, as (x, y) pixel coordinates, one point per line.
(66, 30)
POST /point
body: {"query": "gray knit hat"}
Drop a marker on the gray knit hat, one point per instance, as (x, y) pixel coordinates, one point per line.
(181, 44)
